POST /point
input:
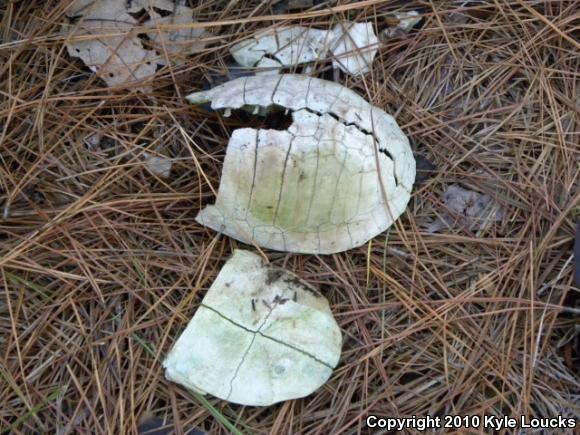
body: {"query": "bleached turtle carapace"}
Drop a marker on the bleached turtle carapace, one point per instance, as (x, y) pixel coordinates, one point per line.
(261, 335)
(340, 174)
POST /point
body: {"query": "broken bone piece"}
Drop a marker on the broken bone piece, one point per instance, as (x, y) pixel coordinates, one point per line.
(282, 47)
(354, 47)
(260, 336)
(341, 174)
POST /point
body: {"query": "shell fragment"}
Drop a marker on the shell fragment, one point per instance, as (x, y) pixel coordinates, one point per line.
(260, 336)
(338, 176)
(355, 47)
(283, 47)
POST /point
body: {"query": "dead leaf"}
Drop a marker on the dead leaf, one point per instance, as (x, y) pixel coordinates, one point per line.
(115, 53)
(425, 169)
(158, 165)
(177, 43)
(468, 209)
(115, 59)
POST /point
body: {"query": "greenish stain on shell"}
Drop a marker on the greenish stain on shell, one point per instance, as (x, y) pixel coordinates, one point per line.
(320, 186)
(260, 336)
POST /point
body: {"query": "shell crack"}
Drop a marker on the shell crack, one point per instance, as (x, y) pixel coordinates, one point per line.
(259, 109)
(268, 337)
(384, 151)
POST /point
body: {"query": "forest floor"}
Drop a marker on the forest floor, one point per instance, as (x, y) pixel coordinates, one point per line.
(102, 263)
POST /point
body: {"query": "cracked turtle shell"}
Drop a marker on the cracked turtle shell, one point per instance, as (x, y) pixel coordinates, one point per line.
(339, 175)
(260, 336)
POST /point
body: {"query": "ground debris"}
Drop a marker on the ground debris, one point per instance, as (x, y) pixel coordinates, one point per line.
(400, 24)
(466, 208)
(425, 169)
(93, 140)
(102, 34)
(174, 44)
(577, 254)
(158, 165)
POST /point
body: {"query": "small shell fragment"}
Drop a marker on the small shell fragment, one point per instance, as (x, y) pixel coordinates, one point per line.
(355, 47)
(260, 336)
(408, 20)
(338, 176)
(401, 24)
(282, 47)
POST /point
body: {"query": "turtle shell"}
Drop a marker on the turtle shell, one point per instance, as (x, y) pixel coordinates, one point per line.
(260, 336)
(338, 176)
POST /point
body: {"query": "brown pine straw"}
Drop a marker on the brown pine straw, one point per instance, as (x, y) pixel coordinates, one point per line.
(102, 263)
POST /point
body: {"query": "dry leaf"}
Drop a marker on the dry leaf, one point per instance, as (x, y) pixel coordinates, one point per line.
(115, 59)
(177, 43)
(577, 255)
(160, 166)
(425, 169)
(467, 209)
(115, 53)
